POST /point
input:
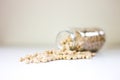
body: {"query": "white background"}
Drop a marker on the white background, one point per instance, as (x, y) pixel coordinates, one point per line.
(37, 22)
(104, 66)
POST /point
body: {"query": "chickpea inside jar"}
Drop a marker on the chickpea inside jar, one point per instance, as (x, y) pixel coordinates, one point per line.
(81, 39)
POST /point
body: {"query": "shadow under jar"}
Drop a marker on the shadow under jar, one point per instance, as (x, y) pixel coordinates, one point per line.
(81, 39)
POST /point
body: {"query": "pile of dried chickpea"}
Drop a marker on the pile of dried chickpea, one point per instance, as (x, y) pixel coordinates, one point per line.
(66, 53)
(82, 47)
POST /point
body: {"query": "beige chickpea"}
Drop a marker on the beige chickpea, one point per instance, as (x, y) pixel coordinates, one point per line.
(68, 57)
(27, 61)
(22, 59)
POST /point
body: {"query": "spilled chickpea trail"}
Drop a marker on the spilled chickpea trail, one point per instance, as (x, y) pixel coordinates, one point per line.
(52, 55)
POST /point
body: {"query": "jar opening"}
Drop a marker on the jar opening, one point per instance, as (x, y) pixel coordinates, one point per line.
(65, 39)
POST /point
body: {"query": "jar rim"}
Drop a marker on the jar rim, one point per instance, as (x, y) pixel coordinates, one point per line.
(61, 32)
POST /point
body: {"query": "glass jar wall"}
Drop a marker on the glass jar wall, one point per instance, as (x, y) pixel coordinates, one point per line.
(81, 39)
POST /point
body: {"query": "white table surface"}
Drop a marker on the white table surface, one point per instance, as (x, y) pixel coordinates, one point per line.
(104, 66)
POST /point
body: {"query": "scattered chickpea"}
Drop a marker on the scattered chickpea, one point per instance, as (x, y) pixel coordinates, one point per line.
(21, 59)
(82, 49)
(27, 61)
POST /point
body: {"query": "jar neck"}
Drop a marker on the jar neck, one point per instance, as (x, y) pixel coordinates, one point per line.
(63, 36)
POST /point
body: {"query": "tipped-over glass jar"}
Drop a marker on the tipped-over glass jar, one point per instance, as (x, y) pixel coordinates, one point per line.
(81, 39)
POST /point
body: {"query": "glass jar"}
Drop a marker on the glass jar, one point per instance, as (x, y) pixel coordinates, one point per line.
(81, 39)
